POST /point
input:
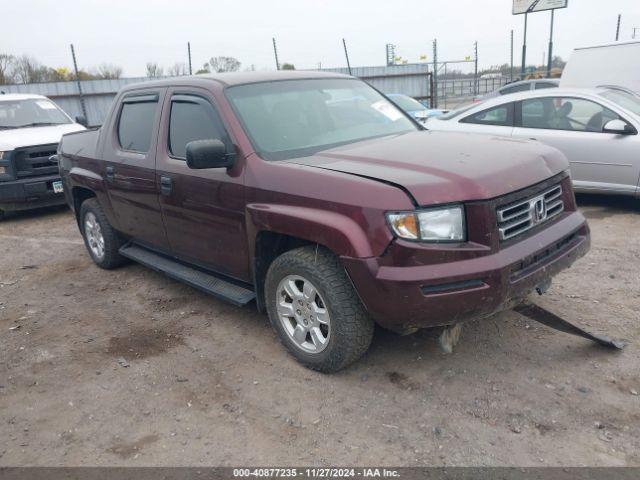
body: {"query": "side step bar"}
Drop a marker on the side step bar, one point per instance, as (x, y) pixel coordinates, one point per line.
(206, 282)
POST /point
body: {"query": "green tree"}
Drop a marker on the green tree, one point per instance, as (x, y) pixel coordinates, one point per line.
(287, 66)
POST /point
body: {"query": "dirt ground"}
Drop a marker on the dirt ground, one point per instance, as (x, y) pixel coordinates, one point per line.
(127, 367)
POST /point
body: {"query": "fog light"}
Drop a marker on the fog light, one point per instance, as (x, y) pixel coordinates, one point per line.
(3, 170)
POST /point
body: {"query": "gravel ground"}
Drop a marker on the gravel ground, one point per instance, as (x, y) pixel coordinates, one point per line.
(127, 367)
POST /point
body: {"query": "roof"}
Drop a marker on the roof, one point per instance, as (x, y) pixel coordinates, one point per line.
(241, 78)
(18, 96)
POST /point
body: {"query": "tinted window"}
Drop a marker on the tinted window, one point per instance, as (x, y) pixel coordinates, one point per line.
(523, 87)
(573, 114)
(500, 115)
(136, 125)
(192, 119)
(541, 85)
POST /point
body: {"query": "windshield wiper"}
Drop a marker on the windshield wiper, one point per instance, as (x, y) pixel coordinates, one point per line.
(38, 124)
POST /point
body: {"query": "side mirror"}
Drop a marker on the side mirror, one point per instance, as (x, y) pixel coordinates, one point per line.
(619, 127)
(82, 120)
(208, 154)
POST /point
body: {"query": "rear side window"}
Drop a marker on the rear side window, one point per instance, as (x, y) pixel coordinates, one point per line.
(193, 118)
(543, 85)
(135, 125)
(501, 115)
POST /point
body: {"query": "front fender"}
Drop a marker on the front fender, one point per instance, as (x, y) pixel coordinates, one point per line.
(339, 233)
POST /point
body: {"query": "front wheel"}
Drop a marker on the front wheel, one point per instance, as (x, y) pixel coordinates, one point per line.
(315, 310)
(101, 240)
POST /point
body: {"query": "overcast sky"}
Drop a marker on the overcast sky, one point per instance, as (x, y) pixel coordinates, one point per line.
(132, 33)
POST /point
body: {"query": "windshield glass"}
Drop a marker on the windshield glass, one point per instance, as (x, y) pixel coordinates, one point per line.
(294, 118)
(455, 113)
(32, 112)
(625, 100)
(408, 104)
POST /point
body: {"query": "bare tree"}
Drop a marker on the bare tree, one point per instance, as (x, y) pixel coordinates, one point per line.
(27, 69)
(178, 69)
(108, 71)
(6, 68)
(205, 69)
(154, 70)
(224, 64)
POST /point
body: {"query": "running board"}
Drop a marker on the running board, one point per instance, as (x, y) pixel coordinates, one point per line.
(206, 282)
(544, 316)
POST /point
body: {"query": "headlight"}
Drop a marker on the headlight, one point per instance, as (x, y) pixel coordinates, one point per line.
(445, 224)
(2, 155)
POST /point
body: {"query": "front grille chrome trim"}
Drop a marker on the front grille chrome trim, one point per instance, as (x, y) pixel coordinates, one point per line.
(521, 216)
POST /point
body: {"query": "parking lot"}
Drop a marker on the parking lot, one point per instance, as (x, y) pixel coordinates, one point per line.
(127, 367)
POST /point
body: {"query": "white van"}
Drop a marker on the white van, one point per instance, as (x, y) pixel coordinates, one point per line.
(605, 65)
(30, 129)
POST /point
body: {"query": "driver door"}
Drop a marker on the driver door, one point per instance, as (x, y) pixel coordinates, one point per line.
(598, 160)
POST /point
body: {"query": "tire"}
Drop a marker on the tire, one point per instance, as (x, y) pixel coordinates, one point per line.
(91, 214)
(348, 329)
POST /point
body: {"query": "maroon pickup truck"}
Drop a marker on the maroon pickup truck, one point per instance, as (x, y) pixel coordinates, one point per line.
(315, 196)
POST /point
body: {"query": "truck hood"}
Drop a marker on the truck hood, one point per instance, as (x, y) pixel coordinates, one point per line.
(26, 137)
(443, 167)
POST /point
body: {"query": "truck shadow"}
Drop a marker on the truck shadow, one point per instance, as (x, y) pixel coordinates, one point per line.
(603, 206)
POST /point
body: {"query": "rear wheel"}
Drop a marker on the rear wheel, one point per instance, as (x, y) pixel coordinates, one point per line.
(101, 240)
(315, 310)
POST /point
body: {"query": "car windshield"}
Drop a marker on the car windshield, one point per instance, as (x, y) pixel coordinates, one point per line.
(625, 100)
(31, 112)
(459, 111)
(293, 118)
(408, 104)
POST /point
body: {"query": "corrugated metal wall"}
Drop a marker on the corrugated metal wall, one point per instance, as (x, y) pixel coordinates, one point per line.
(98, 94)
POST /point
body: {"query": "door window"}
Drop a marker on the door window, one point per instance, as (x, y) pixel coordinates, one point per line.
(501, 115)
(543, 85)
(135, 125)
(192, 118)
(572, 114)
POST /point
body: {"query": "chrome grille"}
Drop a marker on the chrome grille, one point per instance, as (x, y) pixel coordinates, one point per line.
(523, 215)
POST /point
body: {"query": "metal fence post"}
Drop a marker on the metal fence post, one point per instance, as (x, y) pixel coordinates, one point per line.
(189, 54)
(475, 73)
(435, 73)
(275, 53)
(75, 67)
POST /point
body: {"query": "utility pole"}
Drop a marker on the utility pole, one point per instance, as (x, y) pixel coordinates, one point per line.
(275, 53)
(511, 71)
(346, 55)
(75, 67)
(524, 48)
(634, 32)
(434, 94)
(189, 55)
(550, 59)
(618, 27)
(475, 74)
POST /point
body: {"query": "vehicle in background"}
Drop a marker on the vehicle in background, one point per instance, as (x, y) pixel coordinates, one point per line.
(314, 195)
(615, 64)
(597, 129)
(30, 129)
(521, 86)
(414, 108)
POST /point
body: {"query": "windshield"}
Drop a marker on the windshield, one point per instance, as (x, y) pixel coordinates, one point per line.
(32, 112)
(293, 118)
(625, 100)
(408, 104)
(455, 113)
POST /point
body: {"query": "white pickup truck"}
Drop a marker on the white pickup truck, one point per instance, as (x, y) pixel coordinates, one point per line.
(30, 128)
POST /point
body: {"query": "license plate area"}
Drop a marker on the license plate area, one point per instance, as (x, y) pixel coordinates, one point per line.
(57, 186)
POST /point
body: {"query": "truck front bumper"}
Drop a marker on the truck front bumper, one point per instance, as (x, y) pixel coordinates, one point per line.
(27, 193)
(409, 297)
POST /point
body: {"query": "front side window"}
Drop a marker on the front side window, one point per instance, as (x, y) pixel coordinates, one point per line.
(136, 122)
(32, 112)
(500, 116)
(572, 114)
(192, 118)
(291, 118)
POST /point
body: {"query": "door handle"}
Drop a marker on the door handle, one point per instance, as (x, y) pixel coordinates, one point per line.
(165, 185)
(110, 174)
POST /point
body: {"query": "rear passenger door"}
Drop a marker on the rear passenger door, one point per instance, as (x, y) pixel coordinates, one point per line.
(203, 209)
(130, 164)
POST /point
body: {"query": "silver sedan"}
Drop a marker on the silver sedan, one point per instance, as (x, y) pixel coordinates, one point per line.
(597, 129)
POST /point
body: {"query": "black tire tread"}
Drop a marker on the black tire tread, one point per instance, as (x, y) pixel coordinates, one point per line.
(112, 240)
(352, 328)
